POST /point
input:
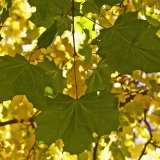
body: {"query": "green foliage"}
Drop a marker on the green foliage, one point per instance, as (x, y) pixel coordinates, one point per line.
(126, 48)
(75, 120)
(79, 72)
(20, 77)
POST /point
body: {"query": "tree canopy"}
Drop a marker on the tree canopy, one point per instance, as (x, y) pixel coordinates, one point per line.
(79, 79)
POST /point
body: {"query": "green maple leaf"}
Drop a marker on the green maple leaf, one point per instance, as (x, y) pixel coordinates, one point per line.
(131, 44)
(74, 121)
(20, 77)
(99, 78)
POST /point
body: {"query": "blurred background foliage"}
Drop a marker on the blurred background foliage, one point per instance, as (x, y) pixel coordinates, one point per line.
(138, 136)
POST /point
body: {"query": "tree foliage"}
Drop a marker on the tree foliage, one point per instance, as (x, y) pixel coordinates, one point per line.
(79, 79)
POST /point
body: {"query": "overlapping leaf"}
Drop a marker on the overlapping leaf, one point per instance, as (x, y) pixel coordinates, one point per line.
(130, 45)
(20, 77)
(90, 6)
(47, 37)
(63, 25)
(55, 73)
(75, 120)
(49, 10)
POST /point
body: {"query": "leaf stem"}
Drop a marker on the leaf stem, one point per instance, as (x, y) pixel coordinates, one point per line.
(74, 47)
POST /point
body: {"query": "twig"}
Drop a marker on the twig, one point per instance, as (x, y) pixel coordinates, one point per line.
(32, 53)
(95, 151)
(29, 153)
(14, 121)
(154, 145)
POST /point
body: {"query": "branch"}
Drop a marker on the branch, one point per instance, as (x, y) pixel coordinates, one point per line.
(150, 133)
(154, 145)
(64, 17)
(13, 121)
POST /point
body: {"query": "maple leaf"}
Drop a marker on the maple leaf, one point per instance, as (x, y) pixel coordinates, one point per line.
(20, 77)
(74, 121)
(126, 48)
